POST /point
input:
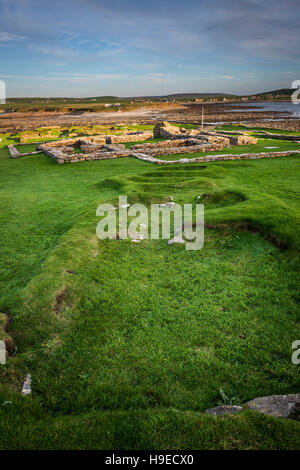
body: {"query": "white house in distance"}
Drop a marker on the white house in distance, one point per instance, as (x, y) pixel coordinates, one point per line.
(108, 105)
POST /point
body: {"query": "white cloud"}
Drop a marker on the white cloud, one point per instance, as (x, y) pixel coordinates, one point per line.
(8, 37)
(56, 51)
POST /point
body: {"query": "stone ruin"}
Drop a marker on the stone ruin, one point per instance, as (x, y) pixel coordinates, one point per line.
(165, 130)
(176, 141)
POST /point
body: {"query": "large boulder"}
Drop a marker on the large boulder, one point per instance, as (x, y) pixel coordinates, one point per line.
(280, 406)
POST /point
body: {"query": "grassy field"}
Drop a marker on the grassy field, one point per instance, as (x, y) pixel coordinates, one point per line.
(128, 343)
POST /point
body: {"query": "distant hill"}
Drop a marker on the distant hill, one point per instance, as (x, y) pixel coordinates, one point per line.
(102, 98)
(274, 93)
(175, 96)
(188, 96)
(97, 103)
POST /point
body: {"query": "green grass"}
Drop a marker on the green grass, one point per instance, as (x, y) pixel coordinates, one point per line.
(185, 125)
(148, 141)
(128, 349)
(230, 127)
(24, 148)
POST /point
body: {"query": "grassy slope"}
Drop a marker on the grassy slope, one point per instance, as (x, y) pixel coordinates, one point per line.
(146, 335)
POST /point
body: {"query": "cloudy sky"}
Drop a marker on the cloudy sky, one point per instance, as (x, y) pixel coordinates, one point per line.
(133, 47)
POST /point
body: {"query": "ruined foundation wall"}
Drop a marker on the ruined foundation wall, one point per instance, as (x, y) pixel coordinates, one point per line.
(101, 139)
(182, 149)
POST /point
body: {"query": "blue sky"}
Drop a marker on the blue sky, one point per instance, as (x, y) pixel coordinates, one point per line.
(133, 48)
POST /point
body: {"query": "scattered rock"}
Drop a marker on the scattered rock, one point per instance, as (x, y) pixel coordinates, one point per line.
(26, 390)
(175, 240)
(2, 352)
(167, 204)
(280, 406)
(70, 271)
(138, 238)
(224, 410)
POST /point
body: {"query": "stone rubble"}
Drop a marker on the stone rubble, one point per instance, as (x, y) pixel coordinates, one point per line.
(176, 240)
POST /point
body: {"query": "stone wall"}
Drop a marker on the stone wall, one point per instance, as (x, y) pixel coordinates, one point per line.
(292, 138)
(60, 157)
(220, 140)
(166, 143)
(240, 139)
(66, 154)
(217, 158)
(181, 149)
(101, 139)
(14, 152)
(133, 137)
(288, 124)
(164, 130)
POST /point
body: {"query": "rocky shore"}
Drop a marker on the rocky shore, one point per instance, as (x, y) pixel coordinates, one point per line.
(189, 113)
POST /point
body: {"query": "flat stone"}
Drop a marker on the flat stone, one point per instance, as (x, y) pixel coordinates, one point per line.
(168, 204)
(280, 406)
(175, 240)
(224, 410)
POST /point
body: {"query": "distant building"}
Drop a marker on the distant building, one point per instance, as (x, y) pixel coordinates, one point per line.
(108, 105)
